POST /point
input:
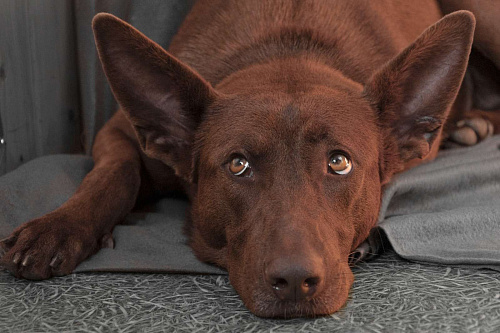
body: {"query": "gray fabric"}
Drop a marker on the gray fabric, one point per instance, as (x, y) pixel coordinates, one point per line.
(446, 211)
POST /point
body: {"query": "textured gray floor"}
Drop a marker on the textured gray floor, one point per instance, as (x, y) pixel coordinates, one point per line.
(389, 295)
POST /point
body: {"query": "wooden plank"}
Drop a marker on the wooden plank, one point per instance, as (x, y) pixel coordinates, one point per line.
(16, 101)
(3, 155)
(39, 93)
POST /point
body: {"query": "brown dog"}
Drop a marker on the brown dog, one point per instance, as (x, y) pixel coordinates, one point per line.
(282, 120)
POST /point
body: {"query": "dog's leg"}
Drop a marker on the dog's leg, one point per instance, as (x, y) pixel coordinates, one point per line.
(475, 114)
(476, 126)
(56, 243)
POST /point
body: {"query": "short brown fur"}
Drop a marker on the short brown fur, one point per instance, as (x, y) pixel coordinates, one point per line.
(284, 84)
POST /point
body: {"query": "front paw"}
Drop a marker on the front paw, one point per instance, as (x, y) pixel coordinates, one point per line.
(49, 246)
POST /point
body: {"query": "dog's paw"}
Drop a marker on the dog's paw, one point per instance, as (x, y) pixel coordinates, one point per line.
(48, 246)
(469, 132)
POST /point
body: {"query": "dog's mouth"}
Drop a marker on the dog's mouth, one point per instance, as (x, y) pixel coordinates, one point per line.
(289, 309)
(266, 302)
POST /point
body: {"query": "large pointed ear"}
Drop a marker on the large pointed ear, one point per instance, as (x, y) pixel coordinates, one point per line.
(414, 91)
(163, 98)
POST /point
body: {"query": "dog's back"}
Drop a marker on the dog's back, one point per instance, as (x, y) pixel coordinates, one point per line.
(356, 37)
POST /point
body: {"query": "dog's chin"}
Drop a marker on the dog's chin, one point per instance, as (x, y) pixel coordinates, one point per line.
(264, 303)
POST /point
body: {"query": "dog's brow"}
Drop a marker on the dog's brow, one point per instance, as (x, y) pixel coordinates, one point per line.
(321, 133)
(291, 112)
(315, 134)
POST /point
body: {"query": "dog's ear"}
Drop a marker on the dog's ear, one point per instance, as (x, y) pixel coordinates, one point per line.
(163, 98)
(414, 91)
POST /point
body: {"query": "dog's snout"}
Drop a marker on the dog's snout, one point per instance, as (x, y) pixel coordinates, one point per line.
(295, 280)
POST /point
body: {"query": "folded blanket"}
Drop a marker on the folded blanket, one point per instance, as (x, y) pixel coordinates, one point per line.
(445, 212)
(448, 211)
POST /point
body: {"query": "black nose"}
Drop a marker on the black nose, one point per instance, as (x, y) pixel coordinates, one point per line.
(295, 279)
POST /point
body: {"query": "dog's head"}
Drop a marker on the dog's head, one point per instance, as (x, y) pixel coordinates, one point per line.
(287, 158)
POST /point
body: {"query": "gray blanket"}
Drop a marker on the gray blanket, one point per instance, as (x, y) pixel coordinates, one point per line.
(444, 212)
(448, 211)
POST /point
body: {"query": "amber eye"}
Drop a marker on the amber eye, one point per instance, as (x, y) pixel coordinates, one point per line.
(239, 166)
(339, 164)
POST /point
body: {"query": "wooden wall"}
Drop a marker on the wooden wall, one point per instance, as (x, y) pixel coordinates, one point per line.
(54, 97)
(39, 106)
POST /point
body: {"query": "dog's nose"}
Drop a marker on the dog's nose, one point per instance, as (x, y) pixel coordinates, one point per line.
(295, 279)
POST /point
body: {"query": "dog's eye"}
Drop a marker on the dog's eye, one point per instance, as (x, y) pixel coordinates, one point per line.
(239, 166)
(339, 164)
